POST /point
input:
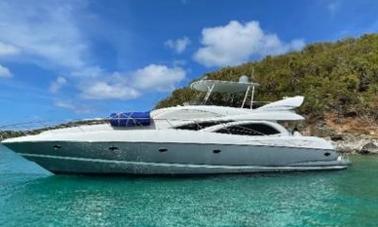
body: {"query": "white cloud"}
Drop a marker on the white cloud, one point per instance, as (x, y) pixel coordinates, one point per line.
(56, 85)
(71, 106)
(105, 90)
(64, 104)
(5, 72)
(126, 86)
(333, 6)
(179, 62)
(7, 49)
(236, 43)
(45, 30)
(158, 77)
(178, 45)
(91, 71)
(54, 35)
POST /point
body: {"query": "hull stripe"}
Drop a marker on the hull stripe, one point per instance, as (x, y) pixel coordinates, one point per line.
(177, 165)
(258, 144)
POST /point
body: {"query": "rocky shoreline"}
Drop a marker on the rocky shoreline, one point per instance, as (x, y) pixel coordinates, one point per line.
(348, 135)
(354, 144)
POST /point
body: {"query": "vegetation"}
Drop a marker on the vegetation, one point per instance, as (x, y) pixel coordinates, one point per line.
(339, 78)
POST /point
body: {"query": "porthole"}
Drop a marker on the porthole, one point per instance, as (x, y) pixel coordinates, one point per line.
(327, 154)
(113, 148)
(163, 149)
(56, 147)
(216, 151)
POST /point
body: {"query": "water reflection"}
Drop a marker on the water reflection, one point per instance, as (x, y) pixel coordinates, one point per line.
(11, 163)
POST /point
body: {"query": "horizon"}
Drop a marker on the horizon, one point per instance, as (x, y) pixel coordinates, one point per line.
(77, 59)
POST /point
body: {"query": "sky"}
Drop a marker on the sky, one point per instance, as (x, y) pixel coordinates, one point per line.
(74, 59)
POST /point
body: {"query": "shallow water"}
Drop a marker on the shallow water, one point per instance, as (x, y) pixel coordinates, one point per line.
(30, 196)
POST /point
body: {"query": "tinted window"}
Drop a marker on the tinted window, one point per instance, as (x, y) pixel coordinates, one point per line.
(256, 129)
(200, 125)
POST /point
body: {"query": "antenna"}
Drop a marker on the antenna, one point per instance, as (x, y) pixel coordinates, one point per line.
(253, 73)
(253, 88)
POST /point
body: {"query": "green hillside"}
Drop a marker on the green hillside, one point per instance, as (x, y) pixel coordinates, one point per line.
(339, 78)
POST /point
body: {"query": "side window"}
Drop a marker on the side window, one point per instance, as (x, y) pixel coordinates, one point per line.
(200, 125)
(256, 129)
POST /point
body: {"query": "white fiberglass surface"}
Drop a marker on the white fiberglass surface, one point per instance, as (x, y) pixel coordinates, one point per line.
(284, 104)
(221, 86)
(176, 136)
(222, 113)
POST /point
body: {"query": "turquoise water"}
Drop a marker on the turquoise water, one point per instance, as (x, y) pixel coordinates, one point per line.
(31, 197)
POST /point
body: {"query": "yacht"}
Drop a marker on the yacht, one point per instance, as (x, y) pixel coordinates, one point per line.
(186, 139)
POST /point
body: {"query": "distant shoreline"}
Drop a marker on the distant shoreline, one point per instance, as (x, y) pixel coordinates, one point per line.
(6, 134)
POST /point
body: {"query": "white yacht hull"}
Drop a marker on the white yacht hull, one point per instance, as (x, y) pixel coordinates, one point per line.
(77, 157)
(185, 140)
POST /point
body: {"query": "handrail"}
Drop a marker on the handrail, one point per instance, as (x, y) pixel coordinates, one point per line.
(31, 131)
(74, 123)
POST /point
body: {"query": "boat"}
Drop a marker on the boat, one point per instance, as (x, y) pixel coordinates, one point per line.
(187, 139)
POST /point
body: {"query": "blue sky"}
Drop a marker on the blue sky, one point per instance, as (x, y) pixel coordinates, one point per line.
(72, 59)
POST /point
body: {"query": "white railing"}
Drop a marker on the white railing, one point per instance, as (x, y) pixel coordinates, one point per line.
(35, 127)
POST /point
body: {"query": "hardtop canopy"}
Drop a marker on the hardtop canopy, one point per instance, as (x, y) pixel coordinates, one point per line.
(229, 87)
(221, 86)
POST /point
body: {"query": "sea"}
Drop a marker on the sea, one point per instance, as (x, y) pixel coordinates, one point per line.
(31, 196)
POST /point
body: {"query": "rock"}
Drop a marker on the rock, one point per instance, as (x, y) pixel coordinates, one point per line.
(337, 137)
(352, 143)
(369, 148)
(350, 114)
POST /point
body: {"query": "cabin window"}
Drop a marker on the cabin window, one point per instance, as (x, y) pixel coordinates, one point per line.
(200, 125)
(255, 129)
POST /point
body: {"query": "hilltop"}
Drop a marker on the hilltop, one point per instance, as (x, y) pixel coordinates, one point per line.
(338, 79)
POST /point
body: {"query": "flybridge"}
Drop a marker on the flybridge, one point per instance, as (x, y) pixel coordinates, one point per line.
(275, 111)
(244, 85)
(230, 87)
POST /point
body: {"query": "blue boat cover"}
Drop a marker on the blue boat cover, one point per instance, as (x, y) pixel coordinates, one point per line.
(130, 119)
